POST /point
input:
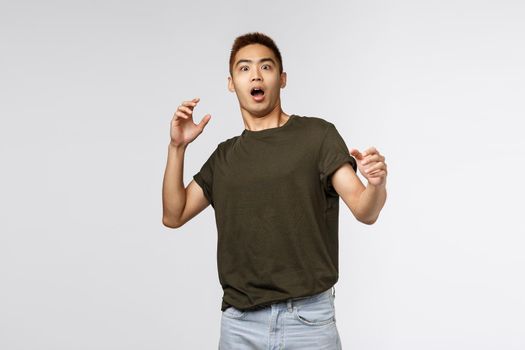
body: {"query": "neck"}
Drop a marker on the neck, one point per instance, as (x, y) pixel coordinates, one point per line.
(257, 122)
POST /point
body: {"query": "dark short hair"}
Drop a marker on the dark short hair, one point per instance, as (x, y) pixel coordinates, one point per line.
(255, 38)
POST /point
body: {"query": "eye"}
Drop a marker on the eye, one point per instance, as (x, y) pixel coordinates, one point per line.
(242, 68)
(267, 65)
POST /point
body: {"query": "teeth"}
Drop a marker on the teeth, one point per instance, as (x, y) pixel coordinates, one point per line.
(255, 89)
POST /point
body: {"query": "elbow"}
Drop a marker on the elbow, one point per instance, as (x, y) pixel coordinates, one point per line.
(168, 222)
(368, 221)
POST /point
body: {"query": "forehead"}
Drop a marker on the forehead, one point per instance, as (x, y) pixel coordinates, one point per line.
(254, 51)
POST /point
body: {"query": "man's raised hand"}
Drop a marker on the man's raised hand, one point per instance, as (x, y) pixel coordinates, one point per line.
(372, 165)
(183, 129)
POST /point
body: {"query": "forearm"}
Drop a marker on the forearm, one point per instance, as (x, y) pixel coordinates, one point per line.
(371, 202)
(173, 190)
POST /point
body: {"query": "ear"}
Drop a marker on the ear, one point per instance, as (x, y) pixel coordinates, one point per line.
(283, 79)
(231, 87)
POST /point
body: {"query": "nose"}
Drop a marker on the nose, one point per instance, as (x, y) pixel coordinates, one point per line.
(256, 75)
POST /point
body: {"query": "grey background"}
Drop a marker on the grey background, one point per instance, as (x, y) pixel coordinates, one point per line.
(88, 90)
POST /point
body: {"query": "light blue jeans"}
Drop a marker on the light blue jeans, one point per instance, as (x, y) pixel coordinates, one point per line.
(306, 323)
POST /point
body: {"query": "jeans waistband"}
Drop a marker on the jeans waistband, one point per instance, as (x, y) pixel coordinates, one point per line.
(310, 299)
(300, 300)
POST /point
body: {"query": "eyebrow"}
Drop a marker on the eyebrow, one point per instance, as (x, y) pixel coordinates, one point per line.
(250, 61)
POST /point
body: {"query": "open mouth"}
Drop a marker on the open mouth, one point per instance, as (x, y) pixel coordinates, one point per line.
(257, 92)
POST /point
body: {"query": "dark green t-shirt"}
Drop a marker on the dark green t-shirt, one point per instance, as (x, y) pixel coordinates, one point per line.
(276, 211)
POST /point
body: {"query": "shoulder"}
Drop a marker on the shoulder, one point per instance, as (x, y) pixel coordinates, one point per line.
(228, 143)
(314, 124)
(225, 147)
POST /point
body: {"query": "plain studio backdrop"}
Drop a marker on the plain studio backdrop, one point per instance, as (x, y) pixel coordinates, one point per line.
(88, 90)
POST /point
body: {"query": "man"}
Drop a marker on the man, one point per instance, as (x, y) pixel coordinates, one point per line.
(275, 190)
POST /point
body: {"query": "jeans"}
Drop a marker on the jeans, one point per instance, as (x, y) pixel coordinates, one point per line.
(306, 323)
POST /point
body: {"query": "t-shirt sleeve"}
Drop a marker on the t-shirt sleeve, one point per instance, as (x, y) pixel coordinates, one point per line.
(205, 177)
(332, 155)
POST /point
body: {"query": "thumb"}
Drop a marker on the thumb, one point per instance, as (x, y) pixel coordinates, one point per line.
(204, 121)
(356, 153)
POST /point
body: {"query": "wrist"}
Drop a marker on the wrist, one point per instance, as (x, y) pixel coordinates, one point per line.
(376, 187)
(174, 147)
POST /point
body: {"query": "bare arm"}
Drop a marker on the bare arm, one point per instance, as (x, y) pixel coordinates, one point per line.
(180, 204)
(364, 203)
(371, 202)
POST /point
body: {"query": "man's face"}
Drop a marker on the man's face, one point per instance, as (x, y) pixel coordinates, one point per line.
(255, 66)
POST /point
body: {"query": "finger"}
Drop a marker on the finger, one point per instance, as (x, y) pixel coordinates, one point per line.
(190, 104)
(371, 158)
(374, 167)
(204, 121)
(370, 150)
(380, 173)
(180, 114)
(185, 109)
(356, 153)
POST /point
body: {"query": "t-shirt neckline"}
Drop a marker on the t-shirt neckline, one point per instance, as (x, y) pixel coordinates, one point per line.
(268, 131)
